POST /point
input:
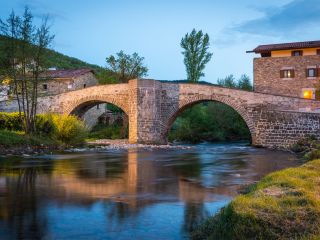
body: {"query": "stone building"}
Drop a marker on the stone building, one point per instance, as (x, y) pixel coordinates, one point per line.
(55, 82)
(61, 81)
(289, 69)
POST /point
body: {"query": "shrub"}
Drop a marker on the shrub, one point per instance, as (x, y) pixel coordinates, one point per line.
(10, 121)
(69, 129)
(101, 131)
(45, 125)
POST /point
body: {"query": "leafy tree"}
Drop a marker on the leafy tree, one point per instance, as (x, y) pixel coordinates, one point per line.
(126, 67)
(229, 82)
(244, 83)
(196, 55)
(23, 60)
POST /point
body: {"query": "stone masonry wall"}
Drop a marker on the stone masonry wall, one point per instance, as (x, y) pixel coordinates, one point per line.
(58, 86)
(276, 129)
(267, 75)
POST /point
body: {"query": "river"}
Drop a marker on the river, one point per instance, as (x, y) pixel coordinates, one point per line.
(126, 194)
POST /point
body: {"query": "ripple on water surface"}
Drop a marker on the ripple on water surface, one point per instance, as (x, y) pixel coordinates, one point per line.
(126, 193)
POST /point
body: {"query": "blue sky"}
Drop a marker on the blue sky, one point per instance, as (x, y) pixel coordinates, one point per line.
(92, 30)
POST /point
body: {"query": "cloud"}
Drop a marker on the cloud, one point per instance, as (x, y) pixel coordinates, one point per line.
(297, 17)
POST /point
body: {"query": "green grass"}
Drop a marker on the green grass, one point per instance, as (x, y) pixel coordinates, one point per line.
(283, 205)
(18, 138)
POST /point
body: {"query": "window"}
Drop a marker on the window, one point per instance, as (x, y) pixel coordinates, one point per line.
(45, 87)
(308, 93)
(98, 106)
(318, 51)
(297, 53)
(288, 73)
(312, 72)
(84, 85)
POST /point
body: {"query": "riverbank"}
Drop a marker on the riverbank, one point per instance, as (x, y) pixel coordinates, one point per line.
(283, 205)
(17, 143)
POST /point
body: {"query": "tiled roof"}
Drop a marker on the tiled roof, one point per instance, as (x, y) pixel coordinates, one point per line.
(69, 73)
(286, 46)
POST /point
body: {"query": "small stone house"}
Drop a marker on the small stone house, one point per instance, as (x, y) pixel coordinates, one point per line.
(290, 69)
(61, 81)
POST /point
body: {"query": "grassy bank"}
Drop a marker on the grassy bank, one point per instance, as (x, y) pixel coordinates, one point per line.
(54, 131)
(283, 205)
(13, 138)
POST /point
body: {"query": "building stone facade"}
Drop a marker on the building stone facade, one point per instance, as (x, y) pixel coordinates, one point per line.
(267, 75)
(61, 81)
(289, 69)
(58, 82)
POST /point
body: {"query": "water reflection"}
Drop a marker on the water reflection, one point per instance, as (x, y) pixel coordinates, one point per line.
(125, 194)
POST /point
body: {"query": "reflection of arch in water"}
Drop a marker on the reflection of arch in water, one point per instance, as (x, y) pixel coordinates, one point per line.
(191, 101)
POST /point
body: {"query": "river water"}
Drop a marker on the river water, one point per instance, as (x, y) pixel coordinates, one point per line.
(126, 194)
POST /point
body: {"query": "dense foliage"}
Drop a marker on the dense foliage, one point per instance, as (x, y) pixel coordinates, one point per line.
(101, 131)
(283, 205)
(61, 129)
(212, 121)
(69, 129)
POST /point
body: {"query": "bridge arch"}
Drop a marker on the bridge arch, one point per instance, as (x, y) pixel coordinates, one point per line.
(192, 100)
(81, 105)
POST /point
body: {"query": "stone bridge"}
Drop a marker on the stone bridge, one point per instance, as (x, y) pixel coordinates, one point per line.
(152, 106)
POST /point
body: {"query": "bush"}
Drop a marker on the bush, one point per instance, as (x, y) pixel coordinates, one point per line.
(69, 129)
(45, 125)
(101, 131)
(10, 121)
(66, 129)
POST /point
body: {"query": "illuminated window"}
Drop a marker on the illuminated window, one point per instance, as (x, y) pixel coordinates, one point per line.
(312, 72)
(70, 86)
(287, 73)
(307, 94)
(297, 53)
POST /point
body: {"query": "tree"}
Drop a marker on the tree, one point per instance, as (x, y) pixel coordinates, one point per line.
(196, 55)
(228, 81)
(23, 51)
(126, 67)
(244, 83)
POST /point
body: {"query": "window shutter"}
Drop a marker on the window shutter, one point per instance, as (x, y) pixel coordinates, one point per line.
(281, 73)
(317, 72)
(292, 73)
(307, 72)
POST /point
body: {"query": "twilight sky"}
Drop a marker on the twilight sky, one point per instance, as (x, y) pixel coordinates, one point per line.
(92, 30)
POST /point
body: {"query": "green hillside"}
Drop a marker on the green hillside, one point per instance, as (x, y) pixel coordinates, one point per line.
(61, 61)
